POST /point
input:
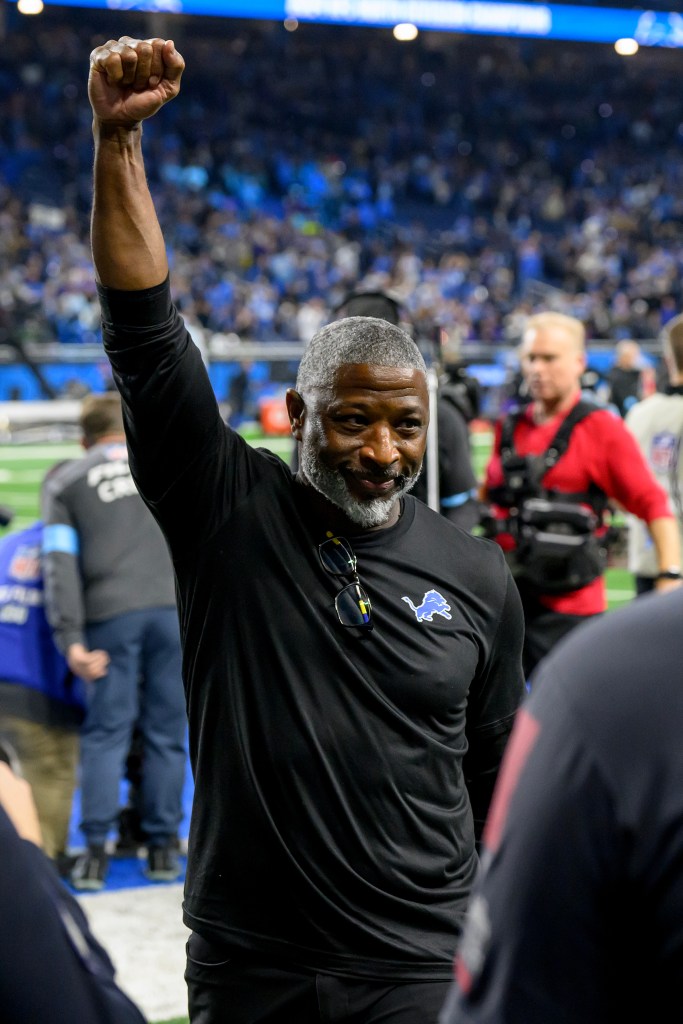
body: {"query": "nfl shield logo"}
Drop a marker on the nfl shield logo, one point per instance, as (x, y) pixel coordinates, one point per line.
(25, 565)
(663, 452)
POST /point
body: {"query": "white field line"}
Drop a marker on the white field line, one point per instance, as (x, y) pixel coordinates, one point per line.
(39, 452)
(29, 477)
(18, 499)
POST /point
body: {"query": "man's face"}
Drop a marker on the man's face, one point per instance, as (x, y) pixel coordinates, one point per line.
(363, 441)
(552, 363)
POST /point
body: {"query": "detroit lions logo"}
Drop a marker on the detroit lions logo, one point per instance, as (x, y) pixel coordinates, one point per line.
(433, 603)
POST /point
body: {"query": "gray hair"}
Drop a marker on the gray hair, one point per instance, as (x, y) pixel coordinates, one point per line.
(355, 340)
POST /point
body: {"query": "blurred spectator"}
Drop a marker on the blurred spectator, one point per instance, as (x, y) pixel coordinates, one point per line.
(657, 424)
(110, 600)
(624, 377)
(577, 913)
(51, 966)
(42, 704)
(240, 406)
(555, 465)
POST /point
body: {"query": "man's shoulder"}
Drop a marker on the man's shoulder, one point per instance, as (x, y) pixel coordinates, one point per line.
(619, 676)
(651, 406)
(112, 451)
(61, 477)
(446, 539)
(584, 414)
(632, 638)
(95, 456)
(601, 420)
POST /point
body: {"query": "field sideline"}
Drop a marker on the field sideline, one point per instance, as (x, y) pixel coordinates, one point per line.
(142, 928)
(22, 468)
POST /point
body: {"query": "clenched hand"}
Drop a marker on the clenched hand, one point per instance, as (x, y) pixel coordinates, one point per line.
(130, 79)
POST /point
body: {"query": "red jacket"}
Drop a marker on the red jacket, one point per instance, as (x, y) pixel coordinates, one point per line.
(601, 451)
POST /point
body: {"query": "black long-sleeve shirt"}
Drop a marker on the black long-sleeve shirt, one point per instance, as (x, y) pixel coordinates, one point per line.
(336, 777)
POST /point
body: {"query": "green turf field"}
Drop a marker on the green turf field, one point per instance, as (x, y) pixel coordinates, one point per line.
(22, 468)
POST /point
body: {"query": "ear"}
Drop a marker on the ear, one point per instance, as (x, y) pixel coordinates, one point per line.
(296, 410)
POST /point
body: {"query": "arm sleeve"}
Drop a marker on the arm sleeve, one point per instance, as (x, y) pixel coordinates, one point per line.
(64, 605)
(188, 465)
(493, 703)
(52, 966)
(169, 406)
(623, 473)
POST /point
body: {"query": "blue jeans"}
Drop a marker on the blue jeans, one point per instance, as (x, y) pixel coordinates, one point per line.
(143, 687)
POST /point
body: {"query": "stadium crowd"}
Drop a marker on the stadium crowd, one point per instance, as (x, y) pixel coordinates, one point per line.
(477, 181)
(477, 185)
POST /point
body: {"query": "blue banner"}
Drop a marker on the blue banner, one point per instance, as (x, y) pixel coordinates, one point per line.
(482, 17)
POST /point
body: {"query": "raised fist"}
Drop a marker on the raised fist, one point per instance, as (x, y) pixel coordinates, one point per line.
(130, 79)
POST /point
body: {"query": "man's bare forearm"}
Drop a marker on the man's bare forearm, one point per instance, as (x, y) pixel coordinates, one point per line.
(129, 80)
(127, 244)
(666, 538)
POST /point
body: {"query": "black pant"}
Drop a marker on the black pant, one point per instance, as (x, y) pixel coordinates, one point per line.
(543, 629)
(226, 986)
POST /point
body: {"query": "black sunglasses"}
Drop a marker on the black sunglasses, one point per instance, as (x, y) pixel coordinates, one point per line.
(352, 604)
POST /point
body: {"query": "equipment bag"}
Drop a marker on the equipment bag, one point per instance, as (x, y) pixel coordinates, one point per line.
(557, 546)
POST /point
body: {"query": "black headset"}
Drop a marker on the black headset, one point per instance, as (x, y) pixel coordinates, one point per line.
(379, 304)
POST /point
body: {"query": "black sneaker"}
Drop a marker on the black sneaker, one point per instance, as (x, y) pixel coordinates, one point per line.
(163, 864)
(90, 870)
(131, 836)
(65, 863)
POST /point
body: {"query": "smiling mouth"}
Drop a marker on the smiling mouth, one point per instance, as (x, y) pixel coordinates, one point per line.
(377, 487)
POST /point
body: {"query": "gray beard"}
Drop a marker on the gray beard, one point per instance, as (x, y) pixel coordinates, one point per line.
(366, 514)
